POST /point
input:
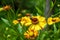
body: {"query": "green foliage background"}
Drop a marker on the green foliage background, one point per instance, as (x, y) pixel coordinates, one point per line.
(30, 6)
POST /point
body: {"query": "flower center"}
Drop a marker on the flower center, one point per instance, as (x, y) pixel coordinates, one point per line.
(53, 20)
(34, 20)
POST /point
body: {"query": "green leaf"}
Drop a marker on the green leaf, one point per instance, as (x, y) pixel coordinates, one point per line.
(43, 35)
(6, 21)
(51, 4)
(12, 10)
(39, 11)
(20, 28)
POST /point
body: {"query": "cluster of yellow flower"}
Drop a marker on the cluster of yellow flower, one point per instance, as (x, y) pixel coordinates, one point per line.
(35, 23)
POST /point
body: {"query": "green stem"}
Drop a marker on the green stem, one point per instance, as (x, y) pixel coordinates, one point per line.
(55, 14)
(52, 7)
(8, 14)
(17, 11)
(55, 29)
(13, 12)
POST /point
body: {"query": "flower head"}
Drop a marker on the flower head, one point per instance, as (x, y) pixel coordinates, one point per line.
(53, 20)
(7, 7)
(15, 22)
(34, 20)
(31, 34)
(25, 21)
(38, 23)
(19, 15)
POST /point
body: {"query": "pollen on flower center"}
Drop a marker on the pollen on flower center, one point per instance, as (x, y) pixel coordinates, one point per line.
(34, 20)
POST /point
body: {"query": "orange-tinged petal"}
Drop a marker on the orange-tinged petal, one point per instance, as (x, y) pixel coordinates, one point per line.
(7, 7)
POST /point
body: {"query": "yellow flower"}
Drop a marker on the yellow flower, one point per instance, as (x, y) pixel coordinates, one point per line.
(7, 7)
(31, 34)
(19, 15)
(50, 22)
(25, 21)
(53, 20)
(15, 22)
(37, 23)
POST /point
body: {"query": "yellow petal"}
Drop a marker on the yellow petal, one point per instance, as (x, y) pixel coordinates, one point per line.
(31, 33)
(42, 24)
(37, 27)
(50, 22)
